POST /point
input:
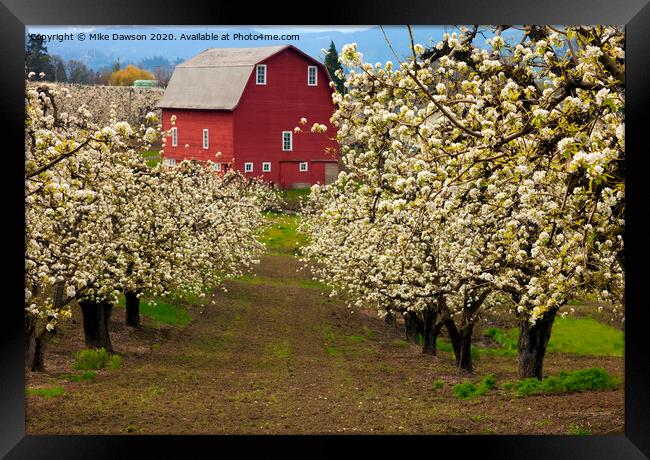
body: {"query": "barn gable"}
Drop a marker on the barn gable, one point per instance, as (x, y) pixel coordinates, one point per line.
(216, 78)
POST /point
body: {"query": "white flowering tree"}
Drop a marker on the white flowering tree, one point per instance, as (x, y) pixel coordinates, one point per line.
(475, 171)
(100, 222)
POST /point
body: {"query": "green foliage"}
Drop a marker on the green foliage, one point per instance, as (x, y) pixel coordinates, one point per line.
(96, 359)
(332, 63)
(567, 382)
(468, 390)
(399, 343)
(438, 384)
(50, 392)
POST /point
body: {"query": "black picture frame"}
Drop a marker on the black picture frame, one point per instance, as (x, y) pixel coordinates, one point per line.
(15, 14)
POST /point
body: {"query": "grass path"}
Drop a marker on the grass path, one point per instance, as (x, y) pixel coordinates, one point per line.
(274, 355)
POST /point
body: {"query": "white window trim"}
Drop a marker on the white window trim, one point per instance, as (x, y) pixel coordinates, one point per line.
(246, 167)
(264, 165)
(206, 138)
(174, 137)
(257, 80)
(170, 161)
(305, 164)
(290, 141)
(315, 75)
(217, 167)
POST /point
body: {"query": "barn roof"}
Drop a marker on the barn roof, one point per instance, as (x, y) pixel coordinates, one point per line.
(216, 78)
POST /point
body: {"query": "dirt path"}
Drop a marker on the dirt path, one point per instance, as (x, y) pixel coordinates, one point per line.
(274, 355)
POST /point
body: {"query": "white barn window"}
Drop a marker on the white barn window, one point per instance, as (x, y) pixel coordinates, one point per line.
(206, 139)
(217, 166)
(261, 74)
(170, 161)
(312, 75)
(174, 137)
(287, 141)
(304, 166)
(248, 167)
(266, 166)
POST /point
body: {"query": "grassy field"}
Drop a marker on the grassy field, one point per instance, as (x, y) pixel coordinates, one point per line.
(275, 354)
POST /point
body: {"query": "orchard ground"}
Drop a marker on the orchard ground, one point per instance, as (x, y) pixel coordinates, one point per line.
(275, 354)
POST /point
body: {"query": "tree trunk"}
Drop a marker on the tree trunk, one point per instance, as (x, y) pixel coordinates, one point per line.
(432, 327)
(414, 327)
(96, 316)
(531, 347)
(465, 358)
(132, 309)
(30, 339)
(461, 341)
(37, 363)
(391, 319)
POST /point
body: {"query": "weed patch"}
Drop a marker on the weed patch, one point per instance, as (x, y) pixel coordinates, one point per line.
(96, 359)
(567, 382)
(468, 390)
(51, 392)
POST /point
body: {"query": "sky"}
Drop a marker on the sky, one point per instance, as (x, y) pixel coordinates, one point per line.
(98, 53)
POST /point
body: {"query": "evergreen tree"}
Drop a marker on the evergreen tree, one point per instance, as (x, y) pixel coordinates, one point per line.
(36, 58)
(332, 63)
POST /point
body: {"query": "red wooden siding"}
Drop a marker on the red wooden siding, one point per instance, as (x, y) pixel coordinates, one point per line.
(190, 125)
(264, 111)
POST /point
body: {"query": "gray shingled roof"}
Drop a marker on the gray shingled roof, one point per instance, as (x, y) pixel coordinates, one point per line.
(214, 79)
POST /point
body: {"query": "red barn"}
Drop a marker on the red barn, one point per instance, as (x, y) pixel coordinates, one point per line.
(245, 103)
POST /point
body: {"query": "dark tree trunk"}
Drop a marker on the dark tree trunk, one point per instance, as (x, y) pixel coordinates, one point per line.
(96, 316)
(461, 341)
(432, 327)
(40, 344)
(413, 326)
(391, 319)
(30, 340)
(465, 358)
(531, 347)
(132, 309)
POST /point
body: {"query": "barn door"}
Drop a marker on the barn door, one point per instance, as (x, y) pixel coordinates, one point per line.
(331, 172)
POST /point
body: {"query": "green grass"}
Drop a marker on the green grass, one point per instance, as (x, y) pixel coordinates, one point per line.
(164, 312)
(96, 359)
(399, 343)
(294, 197)
(280, 236)
(580, 336)
(152, 157)
(468, 390)
(567, 382)
(51, 392)
(438, 384)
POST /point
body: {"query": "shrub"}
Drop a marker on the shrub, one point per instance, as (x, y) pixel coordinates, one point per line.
(96, 359)
(567, 382)
(467, 390)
